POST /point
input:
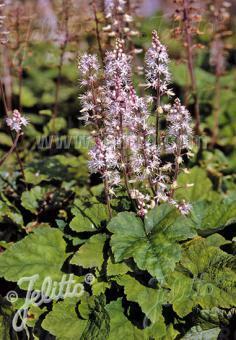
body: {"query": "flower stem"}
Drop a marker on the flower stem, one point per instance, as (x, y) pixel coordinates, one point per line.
(15, 149)
(98, 37)
(189, 45)
(3, 159)
(216, 111)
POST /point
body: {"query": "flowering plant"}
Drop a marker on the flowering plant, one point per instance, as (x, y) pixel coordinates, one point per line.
(116, 225)
(128, 149)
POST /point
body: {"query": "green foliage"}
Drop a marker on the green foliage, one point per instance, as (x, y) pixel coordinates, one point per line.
(41, 253)
(197, 333)
(152, 244)
(214, 216)
(200, 189)
(63, 321)
(120, 326)
(205, 277)
(8, 210)
(88, 215)
(90, 254)
(142, 295)
(30, 199)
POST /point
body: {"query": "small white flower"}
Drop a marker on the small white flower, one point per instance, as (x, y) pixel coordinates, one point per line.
(184, 208)
(16, 121)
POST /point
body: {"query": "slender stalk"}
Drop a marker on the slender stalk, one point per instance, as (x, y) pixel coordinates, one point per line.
(105, 181)
(7, 77)
(176, 171)
(123, 160)
(216, 111)
(61, 62)
(158, 104)
(3, 159)
(146, 164)
(108, 200)
(189, 45)
(98, 37)
(143, 135)
(21, 54)
(6, 114)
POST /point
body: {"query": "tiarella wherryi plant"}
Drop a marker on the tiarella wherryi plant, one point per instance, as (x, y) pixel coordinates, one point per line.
(161, 264)
(128, 148)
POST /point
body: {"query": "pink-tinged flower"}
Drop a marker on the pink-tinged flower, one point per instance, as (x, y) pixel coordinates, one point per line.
(179, 129)
(89, 65)
(185, 208)
(125, 150)
(16, 121)
(157, 72)
(119, 19)
(109, 6)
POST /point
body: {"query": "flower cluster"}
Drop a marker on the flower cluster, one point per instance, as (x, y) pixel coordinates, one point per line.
(3, 32)
(16, 121)
(188, 15)
(89, 68)
(219, 15)
(125, 151)
(179, 130)
(119, 21)
(157, 72)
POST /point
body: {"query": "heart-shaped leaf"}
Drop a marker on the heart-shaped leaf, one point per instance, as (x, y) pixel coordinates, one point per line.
(153, 244)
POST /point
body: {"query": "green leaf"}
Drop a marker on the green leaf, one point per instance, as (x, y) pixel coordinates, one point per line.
(205, 277)
(201, 188)
(150, 300)
(115, 269)
(30, 199)
(34, 313)
(42, 253)
(45, 112)
(98, 321)
(180, 73)
(8, 210)
(99, 288)
(154, 243)
(171, 333)
(34, 178)
(120, 326)
(5, 319)
(5, 139)
(216, 240)
(55, 125)
(28, 99)
(63, 322)
(209, 217)
(197, 333)
(208, 318)
(88, 215)
(90, 254)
